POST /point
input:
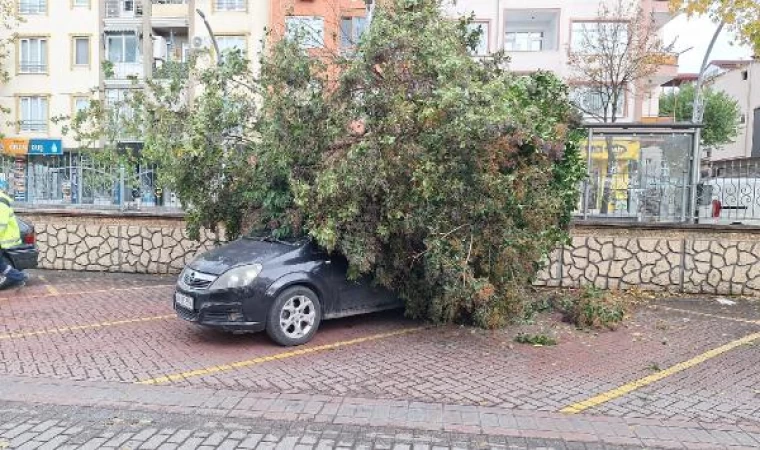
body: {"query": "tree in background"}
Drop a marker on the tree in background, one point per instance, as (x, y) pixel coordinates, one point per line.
(740, 16)
(612, 57)
(721, 117)
(442, 177)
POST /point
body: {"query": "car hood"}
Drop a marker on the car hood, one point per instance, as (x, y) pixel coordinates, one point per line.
(238, 253)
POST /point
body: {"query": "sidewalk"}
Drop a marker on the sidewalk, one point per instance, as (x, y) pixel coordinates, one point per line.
(371, 417)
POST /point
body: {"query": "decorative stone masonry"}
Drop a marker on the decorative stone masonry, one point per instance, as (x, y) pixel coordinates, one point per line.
(114, 242)
(699, 259)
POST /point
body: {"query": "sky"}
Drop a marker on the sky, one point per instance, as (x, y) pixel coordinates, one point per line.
(697, 32)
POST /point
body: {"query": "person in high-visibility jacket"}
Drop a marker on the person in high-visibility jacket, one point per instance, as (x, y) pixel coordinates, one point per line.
(10, 236)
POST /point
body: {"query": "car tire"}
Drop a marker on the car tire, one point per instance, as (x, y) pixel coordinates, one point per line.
(4, 279)
(294, 316)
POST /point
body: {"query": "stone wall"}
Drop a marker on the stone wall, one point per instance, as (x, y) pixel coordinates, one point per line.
(700, 259)
(114, 242)
(694, 259)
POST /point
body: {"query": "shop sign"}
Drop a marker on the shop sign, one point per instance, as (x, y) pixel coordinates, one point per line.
(14, 146)
(26, 146)
(622, 149)
(47, 147)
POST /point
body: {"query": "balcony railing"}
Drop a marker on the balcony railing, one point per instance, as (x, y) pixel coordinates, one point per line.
(169, 2)
(34, 125)
(117, 9)
(125, 71)
(32, 67)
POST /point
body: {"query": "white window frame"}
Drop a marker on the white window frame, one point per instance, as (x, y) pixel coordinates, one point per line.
(313, 29)
(80, 3)
(28, 120)
(75, 51)
(484, 45)
(349, 36)
(26, 63)
(32, 7)
(80, 103)
(230, 5)
(225, 43)
(110, 37)
(533, 39)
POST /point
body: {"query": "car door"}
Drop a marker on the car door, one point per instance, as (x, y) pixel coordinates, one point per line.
(360, 295)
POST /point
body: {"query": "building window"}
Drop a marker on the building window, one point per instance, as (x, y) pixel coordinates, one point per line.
(230, 5)
(745, 75)
(595, 37)
(80, 104)
(229, 43)
(308, 30)
(485, 36)
(122, 47)
(594, 102)
(33, 57)
(34, 113)
(524, 41)
(81, 51)
(32, 7)
(81, 3)
(351, 30)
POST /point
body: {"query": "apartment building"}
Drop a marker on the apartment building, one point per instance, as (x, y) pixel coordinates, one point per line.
(539, 35)
(71, 51)
(740, 80)
(333, 26)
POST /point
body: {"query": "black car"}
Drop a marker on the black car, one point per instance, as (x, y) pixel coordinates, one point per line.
(285, 288)
(23, 256)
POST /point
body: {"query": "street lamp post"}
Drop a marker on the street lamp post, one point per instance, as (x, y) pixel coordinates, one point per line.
(213, 38)
(370, 10)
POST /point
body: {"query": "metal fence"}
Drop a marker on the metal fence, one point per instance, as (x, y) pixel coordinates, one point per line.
(73, 180)
(729, 192)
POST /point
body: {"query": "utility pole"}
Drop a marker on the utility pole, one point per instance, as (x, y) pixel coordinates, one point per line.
(370, 10)
(213, 38)
(697, 114)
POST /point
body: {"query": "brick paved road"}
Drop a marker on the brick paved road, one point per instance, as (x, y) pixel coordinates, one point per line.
(23, 427)
(99, 328)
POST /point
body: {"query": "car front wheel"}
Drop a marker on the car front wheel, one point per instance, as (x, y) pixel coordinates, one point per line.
(294, 316)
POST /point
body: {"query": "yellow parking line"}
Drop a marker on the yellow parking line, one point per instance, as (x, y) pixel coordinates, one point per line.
(275, 357)
(714, 316)
(53, 292)
(50, 288)
(59, 330)
(633, 385)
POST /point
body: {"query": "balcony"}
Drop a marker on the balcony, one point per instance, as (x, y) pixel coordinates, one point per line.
(667, 68)
(170, 14)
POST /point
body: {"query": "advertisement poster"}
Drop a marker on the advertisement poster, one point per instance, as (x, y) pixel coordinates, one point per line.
(623, 151)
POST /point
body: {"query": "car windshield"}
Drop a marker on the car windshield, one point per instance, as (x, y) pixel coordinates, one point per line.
(258, 236)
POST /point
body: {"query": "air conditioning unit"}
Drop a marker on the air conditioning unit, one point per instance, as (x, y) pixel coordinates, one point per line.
(200, 42)
(159, 47)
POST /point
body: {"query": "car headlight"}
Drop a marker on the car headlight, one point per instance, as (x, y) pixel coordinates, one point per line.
(236, 278)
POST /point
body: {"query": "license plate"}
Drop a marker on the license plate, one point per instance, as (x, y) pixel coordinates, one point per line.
(184, 301)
